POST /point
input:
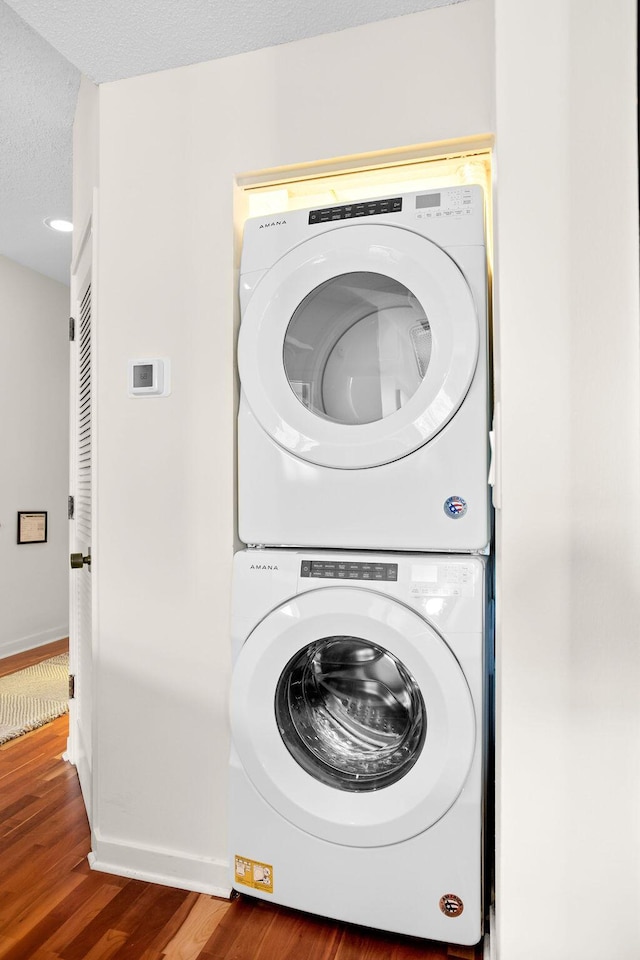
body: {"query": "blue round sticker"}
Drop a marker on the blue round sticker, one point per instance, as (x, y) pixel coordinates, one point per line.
(455, 507)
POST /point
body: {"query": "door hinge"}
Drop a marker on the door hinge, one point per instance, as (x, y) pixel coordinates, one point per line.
(70, 507)
(72, 329)
(72, 686)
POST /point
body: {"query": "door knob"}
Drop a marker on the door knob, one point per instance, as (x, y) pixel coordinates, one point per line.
(77, 561)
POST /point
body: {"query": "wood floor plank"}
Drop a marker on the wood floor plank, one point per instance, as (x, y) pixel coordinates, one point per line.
(301, 935)
(77, 912)
(18, 812)
(360, 944)
(52, 931)
(109, 945)
(146, 921)
(31, 750)
(17, 806)
(12, 791)
(196, 929)
(43, 954)
(106, 921)
(154, 949)
(456, 952)
(28, 919)
(241, 931)
(254, 930)
(35, 805)
(12, 883)
(52, 844)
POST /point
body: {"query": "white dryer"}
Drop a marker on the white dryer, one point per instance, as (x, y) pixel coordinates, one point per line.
(357, 716)
(362, 353)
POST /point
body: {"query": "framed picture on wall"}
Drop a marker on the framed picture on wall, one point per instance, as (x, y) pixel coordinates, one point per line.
(32, 526)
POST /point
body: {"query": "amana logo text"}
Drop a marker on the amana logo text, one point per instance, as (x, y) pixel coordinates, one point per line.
(272, 223)
(264, 566)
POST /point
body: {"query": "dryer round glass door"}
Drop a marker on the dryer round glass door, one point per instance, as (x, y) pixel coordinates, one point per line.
(359, 345)
(352, 717)
(357, 348)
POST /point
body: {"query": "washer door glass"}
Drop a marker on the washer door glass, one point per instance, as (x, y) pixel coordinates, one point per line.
(357, 348)
(350, 713)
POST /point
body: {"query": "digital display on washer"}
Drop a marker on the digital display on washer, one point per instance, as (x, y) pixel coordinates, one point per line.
(348, 211)
(349, 570)
(428, 200)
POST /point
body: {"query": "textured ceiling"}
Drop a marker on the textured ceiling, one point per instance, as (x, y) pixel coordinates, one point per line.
(38, 91)
(46, 44)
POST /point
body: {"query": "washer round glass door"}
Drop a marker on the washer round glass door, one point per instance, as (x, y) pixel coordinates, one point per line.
(352, 717)
(358, 345)
(350, 713)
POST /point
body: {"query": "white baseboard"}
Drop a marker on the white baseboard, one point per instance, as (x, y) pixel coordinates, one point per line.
(169, 868)
(11, 647)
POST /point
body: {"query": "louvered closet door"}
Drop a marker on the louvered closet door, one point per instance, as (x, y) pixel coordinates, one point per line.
(82, 586)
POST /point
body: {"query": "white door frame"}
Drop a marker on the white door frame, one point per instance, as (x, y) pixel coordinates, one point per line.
(82, 648)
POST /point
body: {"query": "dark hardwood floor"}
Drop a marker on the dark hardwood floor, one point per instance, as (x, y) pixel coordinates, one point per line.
(54, 907)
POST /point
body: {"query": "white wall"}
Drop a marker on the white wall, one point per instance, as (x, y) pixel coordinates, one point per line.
(171, 146)
(34, 390)
(568, 535)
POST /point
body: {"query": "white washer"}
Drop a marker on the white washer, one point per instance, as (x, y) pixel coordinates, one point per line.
(357, 716)
(363, 362)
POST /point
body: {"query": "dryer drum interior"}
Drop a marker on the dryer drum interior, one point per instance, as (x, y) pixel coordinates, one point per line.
(350, 713)
(357, 348)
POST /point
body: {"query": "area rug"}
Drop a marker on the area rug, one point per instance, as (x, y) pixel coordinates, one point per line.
(33, 696)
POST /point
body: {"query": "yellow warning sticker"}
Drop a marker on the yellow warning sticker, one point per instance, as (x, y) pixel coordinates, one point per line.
(253, 874)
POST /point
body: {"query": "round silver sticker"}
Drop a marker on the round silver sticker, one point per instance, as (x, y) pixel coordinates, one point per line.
(455, 507)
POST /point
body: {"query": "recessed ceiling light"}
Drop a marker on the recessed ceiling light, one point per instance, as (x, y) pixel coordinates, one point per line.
(62, 226)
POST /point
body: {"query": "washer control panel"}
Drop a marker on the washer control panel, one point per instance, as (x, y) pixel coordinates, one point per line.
(454, 579)
(349, 570)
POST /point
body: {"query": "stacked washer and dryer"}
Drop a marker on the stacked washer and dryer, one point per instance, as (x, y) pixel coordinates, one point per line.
(359, 695)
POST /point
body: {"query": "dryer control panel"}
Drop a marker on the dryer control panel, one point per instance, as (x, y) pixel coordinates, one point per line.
(452, 202)
(372, 208)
